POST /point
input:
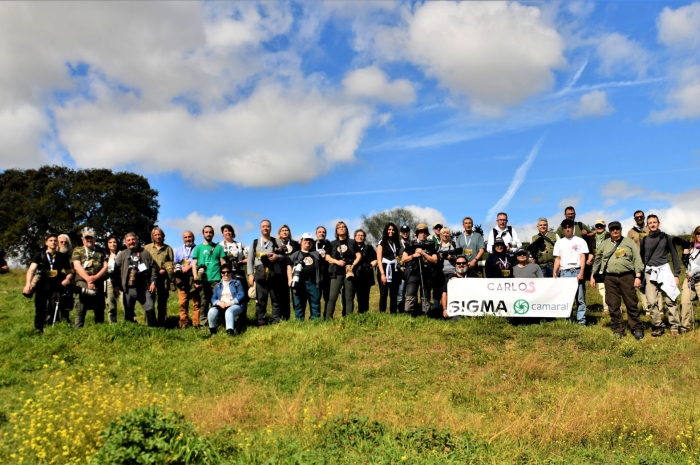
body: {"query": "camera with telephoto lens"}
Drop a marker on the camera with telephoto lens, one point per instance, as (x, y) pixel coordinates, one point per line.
(177, 269)
(84, 291)
(296, 274)
(200, 274)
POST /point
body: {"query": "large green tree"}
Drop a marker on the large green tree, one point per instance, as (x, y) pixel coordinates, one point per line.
(374, 224)
(56, 198)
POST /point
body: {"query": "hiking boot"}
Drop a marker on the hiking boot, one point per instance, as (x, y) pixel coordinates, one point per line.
(639, 334)
(674, 332)
(230, 332)
(213, 330)
(657, 332)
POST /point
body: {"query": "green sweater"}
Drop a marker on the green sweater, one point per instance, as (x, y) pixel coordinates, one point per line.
(545, 257)
(625, 258)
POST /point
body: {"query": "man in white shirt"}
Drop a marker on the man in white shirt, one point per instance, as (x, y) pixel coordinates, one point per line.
(505, 232)
(570, 253)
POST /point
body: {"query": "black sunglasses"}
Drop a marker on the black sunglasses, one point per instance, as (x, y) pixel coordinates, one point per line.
(639, 217)
(461, 263)
(225, 272)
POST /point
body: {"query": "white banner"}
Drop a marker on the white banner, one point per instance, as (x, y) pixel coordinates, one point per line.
(511, 297)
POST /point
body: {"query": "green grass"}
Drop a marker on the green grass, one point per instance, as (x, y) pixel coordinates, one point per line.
(369, 388)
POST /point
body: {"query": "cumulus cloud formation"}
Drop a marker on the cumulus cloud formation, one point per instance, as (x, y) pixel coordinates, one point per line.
(683, 99)
(593, 104)
(680, 28)
(194, 222)
(492, 53)
(133, 94)
(619, 54)
(373, 83)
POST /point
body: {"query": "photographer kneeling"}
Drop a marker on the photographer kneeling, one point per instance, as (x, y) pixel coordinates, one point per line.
(305, 278)
(228, 296)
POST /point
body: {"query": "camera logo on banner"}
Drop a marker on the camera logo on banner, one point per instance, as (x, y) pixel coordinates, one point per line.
(521, 307)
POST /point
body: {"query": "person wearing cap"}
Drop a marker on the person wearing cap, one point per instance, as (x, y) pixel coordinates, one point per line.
(305, 267)
(136, 275)
(435, 236)
(405, 241)
(660, 279)
(323, 247)
(163, 257)
(461, 270)
(228, 297)
(618, 261)
(207, 256)
(525, 269)
(55, 274)
(542, 247)
(419, 271)
(90, 265)
(599, 236)
(184, 281)
(505, 232)
(499, 264)
(343, 259)
(472, 243)
(570, 254)
(389, 251)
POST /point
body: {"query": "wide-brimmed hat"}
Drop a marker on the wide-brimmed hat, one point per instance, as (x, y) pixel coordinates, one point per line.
(251, 293)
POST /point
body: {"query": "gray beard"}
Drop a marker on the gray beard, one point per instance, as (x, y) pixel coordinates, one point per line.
(63, 249)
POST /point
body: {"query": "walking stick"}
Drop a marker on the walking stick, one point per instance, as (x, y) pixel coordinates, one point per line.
(55, 313)
(424, 303)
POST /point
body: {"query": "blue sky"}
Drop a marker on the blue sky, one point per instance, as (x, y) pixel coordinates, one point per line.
(307, 113)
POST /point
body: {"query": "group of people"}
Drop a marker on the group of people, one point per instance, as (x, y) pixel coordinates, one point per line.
(218, 280)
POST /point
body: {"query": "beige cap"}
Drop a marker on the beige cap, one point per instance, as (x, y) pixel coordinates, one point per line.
(88, 233)
(421, 227)
(599, 221)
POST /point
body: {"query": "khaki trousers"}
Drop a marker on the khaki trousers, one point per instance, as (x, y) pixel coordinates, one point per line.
(687, 297)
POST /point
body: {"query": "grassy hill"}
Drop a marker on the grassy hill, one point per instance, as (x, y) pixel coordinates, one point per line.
(370, 388)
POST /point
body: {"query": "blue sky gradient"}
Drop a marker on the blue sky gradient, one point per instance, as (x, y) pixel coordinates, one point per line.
(307, 113)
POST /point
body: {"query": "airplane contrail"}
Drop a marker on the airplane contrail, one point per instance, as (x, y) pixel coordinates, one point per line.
(518, 179)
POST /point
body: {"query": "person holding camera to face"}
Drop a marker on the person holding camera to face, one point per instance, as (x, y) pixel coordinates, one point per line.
(305, 278)
(419, 257)
(49, 276)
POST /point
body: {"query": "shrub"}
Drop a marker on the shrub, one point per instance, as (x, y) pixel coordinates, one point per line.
(147, 435)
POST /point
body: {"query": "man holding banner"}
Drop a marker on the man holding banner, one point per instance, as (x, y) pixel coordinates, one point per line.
(620, 264)
(569, 261)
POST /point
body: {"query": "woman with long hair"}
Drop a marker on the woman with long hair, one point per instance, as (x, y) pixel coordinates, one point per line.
(389, 251)
(691, 283)
(343, 259)
(111, 294)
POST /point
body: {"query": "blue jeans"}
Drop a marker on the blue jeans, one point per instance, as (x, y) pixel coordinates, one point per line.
(547, 271)
(231, 313)
(307, 291)
(580, 294)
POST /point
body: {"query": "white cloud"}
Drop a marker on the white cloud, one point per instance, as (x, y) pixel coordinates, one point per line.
(194, 222)
(581, 9)
(684, 99)
(428, 214)
(621, 190)
(680, 28)
(619, 54)
(593, 104)
(569, 202)
(493, 53)
(373, 83)
(18, 125)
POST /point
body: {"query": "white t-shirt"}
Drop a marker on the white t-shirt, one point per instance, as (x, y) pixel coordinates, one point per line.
(226, 293)
(569, 252)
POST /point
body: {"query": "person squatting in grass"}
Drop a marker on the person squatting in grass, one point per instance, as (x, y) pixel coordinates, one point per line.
(228, 297)
(49, 277)
(137, 273)
(618, 262)
(305, 279)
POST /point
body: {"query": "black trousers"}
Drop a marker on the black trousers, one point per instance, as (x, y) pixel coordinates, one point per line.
(413, 305)
(44, 308)
(274, 288)
(162, 294)
(390, 291)
(618, 288)
(362, 289)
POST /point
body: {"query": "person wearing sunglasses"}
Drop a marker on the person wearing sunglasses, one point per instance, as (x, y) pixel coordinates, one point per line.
(617, 260)
(570, 254)
(691, 283)
(523, 267)
(228, 297)
(461, 270)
